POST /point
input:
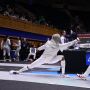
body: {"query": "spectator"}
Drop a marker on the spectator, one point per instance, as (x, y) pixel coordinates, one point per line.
(63, 38)
(24, 49)
(32, 52)
(18, 45)
(5, 45)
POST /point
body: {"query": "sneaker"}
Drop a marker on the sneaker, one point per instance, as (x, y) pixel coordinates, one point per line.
(15, 72)
(81, 76)
(62, 76)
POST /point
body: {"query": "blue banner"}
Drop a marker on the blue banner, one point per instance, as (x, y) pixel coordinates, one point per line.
(17, 33)
(87, 58)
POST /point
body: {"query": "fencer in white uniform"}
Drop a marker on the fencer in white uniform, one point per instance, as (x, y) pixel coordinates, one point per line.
(49, 56)
(5, 45)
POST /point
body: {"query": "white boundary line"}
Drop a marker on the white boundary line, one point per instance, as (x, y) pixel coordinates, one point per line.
(22, 65)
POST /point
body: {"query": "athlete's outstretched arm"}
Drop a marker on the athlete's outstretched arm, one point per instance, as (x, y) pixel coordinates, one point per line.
(43, 46)
(66, 45)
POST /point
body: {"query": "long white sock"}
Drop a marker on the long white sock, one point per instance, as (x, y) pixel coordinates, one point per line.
(63, 67)
(87, 72)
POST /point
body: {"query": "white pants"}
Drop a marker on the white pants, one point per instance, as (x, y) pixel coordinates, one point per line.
(87, 72)
(6, 50)
(43, 60)
(34, 55)
(17, 51)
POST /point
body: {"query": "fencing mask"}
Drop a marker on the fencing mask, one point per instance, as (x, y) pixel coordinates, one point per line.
(56, 38)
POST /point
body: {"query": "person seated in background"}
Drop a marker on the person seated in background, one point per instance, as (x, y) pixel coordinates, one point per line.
(5, 46)
(32, 52)
(49, 56)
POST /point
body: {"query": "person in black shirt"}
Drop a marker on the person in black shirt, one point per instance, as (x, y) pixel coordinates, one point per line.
(24, 49)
